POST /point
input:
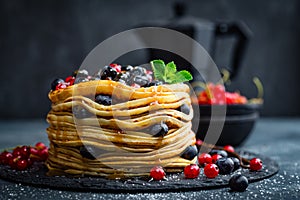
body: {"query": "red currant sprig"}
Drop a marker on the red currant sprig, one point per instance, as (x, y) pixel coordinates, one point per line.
(23, 157)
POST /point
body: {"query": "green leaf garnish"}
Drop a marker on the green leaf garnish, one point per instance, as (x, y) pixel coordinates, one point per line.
(168, 73)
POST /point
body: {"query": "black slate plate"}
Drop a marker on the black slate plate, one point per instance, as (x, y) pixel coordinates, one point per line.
(36, 176)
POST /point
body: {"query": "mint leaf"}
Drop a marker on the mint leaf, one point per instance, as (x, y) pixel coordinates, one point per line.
(171, 78)
(182, 76)
(170, 68)
(168, 73)
(158, 67)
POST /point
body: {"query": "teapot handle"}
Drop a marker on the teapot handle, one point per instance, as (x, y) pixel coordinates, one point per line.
(242, 34)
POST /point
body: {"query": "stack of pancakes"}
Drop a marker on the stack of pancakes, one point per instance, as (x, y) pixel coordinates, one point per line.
(117, 140)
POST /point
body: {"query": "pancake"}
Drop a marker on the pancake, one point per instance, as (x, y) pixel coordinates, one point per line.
(119, 140)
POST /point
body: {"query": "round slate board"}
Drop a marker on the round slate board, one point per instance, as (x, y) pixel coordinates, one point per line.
(36, 176)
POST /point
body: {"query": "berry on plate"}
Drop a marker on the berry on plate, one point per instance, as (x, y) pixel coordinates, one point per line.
(228, 148)
(236, 162)
(215, 158)
(255, 164)
(199, 142)
(238, 183)
(191, 171)
(40, 146)
(204, 159)
(5, 157)
(22, 157)
(220, 152)
(157, 173)
(211, 170)
(22, 164)
(226, 165)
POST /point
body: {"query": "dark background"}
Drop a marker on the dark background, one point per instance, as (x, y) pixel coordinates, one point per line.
(42, 40)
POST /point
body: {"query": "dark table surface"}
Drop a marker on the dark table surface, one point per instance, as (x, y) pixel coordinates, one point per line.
(277, 138)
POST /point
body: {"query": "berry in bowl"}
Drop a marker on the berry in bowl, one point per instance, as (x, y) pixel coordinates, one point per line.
(240, 116)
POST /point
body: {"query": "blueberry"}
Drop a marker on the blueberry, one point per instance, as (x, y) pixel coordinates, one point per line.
(226, 165)
(122, 77)
(190, 152)
(80, 112)
(87, 152)
(220, 152)
(127, 68)
(184, 108)
(140, 80)
(238, 183)
(158, 130)
(138, 71)
(155, 83)
(56, 82)
(108, 73)
(236, 162)
(80, 79)
(103, 99)
(81, 73)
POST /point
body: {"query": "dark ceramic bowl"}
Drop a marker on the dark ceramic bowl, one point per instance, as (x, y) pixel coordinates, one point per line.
(239, 122)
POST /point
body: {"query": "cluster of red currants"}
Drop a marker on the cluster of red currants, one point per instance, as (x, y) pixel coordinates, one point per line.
(22, 157)
(216, 95)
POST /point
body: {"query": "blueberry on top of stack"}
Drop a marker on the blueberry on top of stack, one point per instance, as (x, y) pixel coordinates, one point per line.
(132, 76)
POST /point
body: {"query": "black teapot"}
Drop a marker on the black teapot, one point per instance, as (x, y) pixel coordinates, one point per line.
(206, 33)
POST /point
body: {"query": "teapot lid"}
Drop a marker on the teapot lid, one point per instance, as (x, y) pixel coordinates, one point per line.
(181, 20)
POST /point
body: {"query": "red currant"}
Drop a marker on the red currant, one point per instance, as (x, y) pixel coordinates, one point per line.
(70, 80)
(43, 154)
(16, 152)
(61, 86)
(204, 158)
(215, 157)
(255, 164)
(191, 171)
(230, 98)
(33, 151)
(199, 142)
(116, 67)
(22, 164)
(13, 161)
(229, 148)
(157, 173)
(24, 152)
(5, 157)
(216, 93)
(135, 85)
(211, 170)
(40, 146)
